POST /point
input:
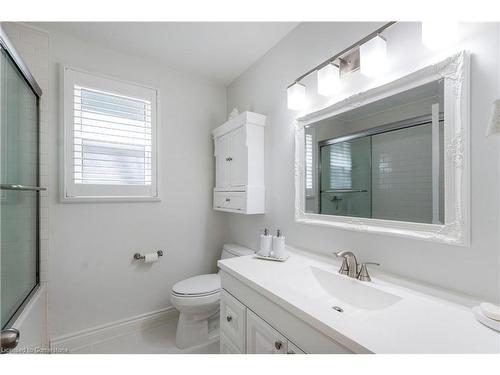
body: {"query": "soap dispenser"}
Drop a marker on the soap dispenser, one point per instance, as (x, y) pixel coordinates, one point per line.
(266, 241)
(279, 245)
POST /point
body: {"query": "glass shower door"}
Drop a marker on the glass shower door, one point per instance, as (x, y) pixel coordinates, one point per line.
(19, 193)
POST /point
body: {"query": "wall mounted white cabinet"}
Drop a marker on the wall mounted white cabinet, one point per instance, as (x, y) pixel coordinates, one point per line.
(239, 164)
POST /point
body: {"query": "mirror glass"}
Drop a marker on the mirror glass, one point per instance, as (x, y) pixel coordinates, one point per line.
(382, 160)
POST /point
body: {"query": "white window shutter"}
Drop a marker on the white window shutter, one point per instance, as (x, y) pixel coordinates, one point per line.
(110, 140)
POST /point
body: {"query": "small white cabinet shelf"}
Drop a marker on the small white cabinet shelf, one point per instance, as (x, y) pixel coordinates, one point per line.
(239, 164)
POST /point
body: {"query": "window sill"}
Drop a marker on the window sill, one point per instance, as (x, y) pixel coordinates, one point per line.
(109, 199)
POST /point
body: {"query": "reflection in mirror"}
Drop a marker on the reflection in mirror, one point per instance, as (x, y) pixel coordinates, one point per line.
(382, 160)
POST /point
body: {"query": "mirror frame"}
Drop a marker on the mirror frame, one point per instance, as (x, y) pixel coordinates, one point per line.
(456, 230)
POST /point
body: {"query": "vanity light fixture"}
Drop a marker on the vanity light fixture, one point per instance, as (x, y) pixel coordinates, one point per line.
(373, 56)
(439, 34)
(296, 95)
(328, 80)
(346, 61)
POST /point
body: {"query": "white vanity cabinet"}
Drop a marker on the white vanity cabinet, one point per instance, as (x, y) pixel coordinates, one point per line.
(243, 331)
(239, 164)
(252, 323)
(262, 338)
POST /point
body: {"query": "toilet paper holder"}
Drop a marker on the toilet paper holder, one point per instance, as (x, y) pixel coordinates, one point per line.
(138, 256)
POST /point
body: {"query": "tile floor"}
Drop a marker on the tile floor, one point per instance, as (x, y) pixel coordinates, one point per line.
(156, 340)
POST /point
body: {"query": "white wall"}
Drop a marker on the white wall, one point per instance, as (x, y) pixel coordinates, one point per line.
(93, 279)
(261, 88)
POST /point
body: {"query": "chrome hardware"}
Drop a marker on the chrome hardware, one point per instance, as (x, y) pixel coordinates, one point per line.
(228, 199)
(344, 268)
(363, 273)
(21, 187)
(9, 339)
(229, 159)
(138, 256)
(229, 318)
(278, 345)
(338, 308)
(345, 191)
(350, 262)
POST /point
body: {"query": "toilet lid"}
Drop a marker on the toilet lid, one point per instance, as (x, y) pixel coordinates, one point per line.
(202, 284)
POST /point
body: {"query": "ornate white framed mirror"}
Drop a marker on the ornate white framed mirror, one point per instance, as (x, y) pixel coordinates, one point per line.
(391, 160)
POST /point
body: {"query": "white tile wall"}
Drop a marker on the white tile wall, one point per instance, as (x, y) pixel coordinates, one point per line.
(402, 175)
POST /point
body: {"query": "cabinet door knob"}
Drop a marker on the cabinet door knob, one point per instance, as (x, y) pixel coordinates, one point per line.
(278, 344)
(229, 318)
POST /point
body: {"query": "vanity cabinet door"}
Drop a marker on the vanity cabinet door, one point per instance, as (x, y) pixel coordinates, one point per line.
(222, 163)
(227, 346)
(238, 156)
(262, 338)
(294, 349)
(232, 320)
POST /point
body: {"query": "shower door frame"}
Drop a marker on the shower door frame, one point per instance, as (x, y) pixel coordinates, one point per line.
(7, 46)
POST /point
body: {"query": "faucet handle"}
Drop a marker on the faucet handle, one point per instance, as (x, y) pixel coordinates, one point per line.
(363, 272)
(344, 269)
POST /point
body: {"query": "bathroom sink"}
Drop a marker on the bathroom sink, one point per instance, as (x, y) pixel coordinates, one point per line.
(345, 292)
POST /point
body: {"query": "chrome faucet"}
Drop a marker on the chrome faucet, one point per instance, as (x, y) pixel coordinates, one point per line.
(351, 268)
(349, 264)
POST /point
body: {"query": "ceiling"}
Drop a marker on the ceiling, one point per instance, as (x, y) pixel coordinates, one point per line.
(218, 51)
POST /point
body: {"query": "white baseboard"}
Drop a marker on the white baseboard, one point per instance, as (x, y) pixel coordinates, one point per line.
(86, 338)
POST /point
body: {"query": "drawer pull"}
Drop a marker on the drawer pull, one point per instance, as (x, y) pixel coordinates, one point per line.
(229, 318)
(278, 344)
(228, 199)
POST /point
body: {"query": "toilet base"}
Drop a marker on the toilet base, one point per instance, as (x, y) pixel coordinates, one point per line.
(192, 332)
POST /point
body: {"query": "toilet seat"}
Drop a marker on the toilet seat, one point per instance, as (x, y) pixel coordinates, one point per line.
(198, 286)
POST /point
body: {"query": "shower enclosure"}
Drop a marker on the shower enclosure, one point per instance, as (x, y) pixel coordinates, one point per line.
(19, 187)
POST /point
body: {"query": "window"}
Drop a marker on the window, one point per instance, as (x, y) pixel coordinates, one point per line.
(309, 161)
(110, 139)
(340, 166)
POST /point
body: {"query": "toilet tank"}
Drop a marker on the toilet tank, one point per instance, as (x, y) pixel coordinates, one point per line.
(232, 250)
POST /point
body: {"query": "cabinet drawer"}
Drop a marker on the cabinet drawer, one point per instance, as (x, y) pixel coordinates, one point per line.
(230, 200)
(233, 320)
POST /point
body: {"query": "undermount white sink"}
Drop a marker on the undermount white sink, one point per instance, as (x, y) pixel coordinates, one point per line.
(345, 292)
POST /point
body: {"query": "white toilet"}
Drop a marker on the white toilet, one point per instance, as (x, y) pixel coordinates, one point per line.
(197, 299)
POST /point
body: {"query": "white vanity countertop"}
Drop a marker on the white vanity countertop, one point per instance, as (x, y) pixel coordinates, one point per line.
(416, 323)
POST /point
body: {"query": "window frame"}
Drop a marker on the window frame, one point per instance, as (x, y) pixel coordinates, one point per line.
(71, 192)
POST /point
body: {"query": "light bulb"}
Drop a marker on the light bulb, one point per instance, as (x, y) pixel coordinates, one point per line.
(328, 80)
(373, 56)
(439, 34)
(296, 95)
